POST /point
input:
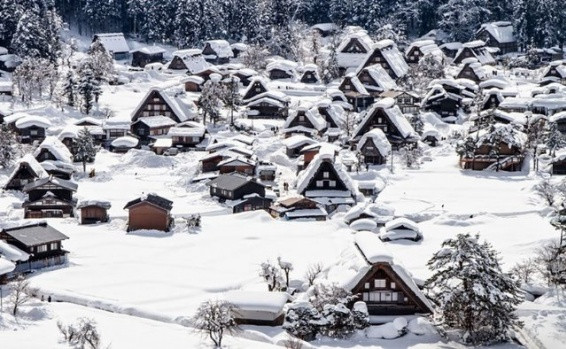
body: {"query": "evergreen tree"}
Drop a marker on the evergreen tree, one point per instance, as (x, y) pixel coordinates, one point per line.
(9, 18)
(88, 87)
(461, 18)
(8, 147)
(471, 291)
(209, 101)
(231, 96)
(303, 321)
(554, 138)
(187, 23)
(101, 61)
(69, 88)
(85, 150)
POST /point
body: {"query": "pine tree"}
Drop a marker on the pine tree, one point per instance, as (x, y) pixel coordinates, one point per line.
(554, 138)
(231, 96)
(69, 88)
(471, 291)
(209, 101)
(88, 87)
(461, 18)
(9, 18)
(85, 150)
(187, 23)
(101, 61)
(8, 147)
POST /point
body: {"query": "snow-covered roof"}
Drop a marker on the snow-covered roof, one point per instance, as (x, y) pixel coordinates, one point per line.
(373, 250)
(150, 50)
(33, 165)
(426, 47)
(357, 84)
(221, 48)
(551, 101)
(353, 60)
(287, 66)
(193, 60)
(97, 203)
(162, 143)
(508, 134)
(12, 253)
(32, 120)
(186, 131)
(296, 141)
(381, 78)
(362, 37)
(402, 222)
(6, 266)
(180, 109)
(236, 161)
(474, 44)
(305, 176)
(395, 116)
(394, 58)
(312, 115)
(116, 123)
(113, 42)
(257, 301)
(501, 31)
(125, 142)
(363, 224)
(557, 116)
(69, 131)
(88, 120)
(156, 121)
(378, 139)
(55, 147)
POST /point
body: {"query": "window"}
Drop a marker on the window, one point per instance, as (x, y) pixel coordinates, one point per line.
(394, 297)
(347, 87)
(325, 174)
(156, 100)
(258, 89)
(320, 184)
(301, 118)
(33, 132)
(366, 286)
(41, 248)
(380, 283)
(53, 246)
(392, 285)
(332, 184)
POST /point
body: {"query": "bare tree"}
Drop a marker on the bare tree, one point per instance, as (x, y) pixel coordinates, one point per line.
(551, 262)
(214, 318)
(83, 335)
(525, 270)
(313, 272)
(286, 267)
(20, 294)
(547, 191)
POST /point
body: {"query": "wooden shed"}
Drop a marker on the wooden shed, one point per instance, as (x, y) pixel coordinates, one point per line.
(93, 211)
(150, 212)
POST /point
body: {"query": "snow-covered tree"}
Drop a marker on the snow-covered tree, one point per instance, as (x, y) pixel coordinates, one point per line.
(551, 261)
(231, 96)
(360, 315)
(214, 318)
(471, 291)
(255, 57)
(303, 321)
(20, 294)
(101, 61)
(525, 270)
(461, 18)
(88, 87)
(286, 267)
(313, 272)
(9, 17)
(69, 88)
(271, 273)
(554, 139)
(188, 23)
(209, 101)
(411, 155)
(326, 293)
(328, 65)
(339, 321)
(85, 151)
(8, 147)
(547, 191)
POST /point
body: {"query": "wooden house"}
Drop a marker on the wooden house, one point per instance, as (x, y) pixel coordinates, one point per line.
(149, 211)
(256, 87)
(400, 229)
(446, 104)
(508, 155)
(556, 71)
(492, 99)
(258, 308)
(187, 135)
(31, 128)
(325, 29)
(408, 102)
(304, 120)
(420, 48)
(245, 75)
(149, 127)
(385, 286)
(217, 51)
(114, 128)
(115, 44)
(193, 83)
(54, 151)
(157, 102)
(386, 116)
(26, 170)
(298, 208)
(560, 120)
(281, 70)
(327, 183)
(93, 211)
(266, 171)
(295, 143)
(268, 105)
(355, 92)
(558, 164)
(450, 49)
(124, 144)
(352, 50)
(309, 74)
(332, 113)
(499, 35)
(472, 70)
(42, 244)
(238, 49)
(474, 49)
(374, 147)
(376, 80)
(49, 197)
(146, 55)
(308, 152)
(239, 192)
(237, 164)
(386, 54)
(190, 60)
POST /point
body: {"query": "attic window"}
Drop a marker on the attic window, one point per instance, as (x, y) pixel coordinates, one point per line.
(320, 184)
(326, 174)
(380, 283)
(366, 286)
(392, 285)
(332, 184)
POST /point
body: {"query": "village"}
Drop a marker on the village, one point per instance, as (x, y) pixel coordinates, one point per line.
(223, 172)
